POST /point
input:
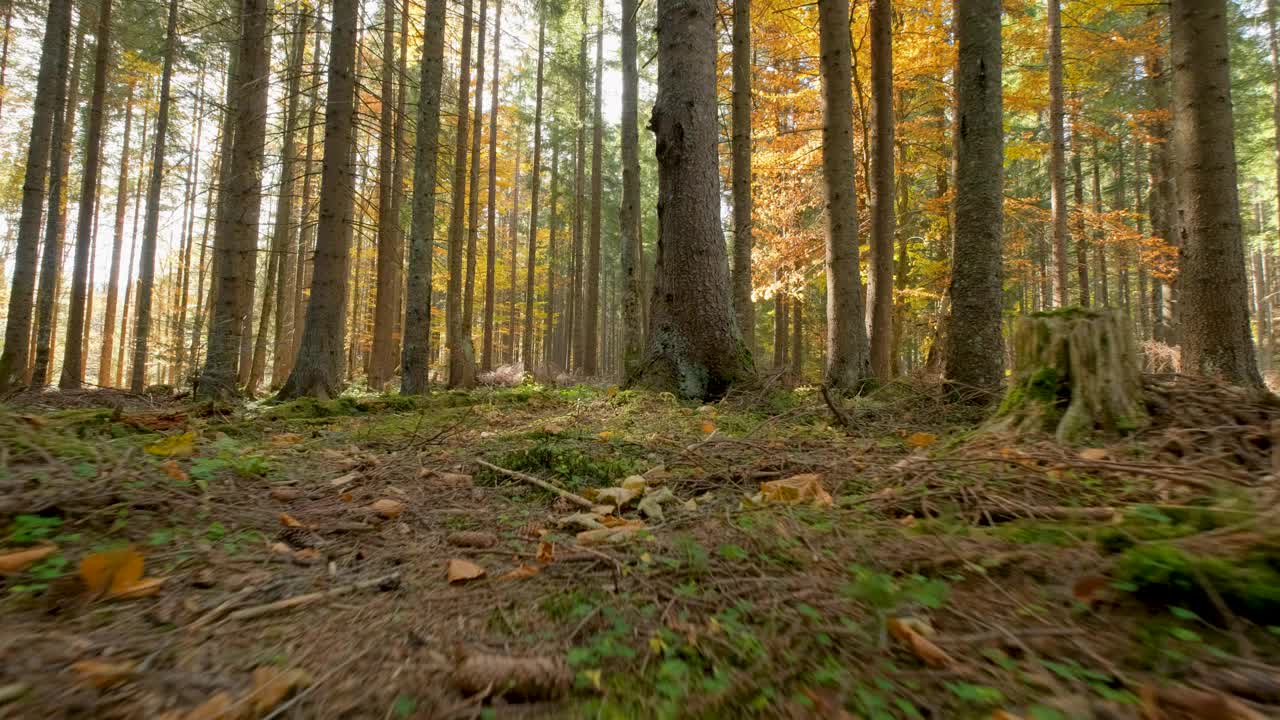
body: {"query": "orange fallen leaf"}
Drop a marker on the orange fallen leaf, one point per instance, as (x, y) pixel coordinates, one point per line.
(347, 497)
(923, 648)
(795, 490)
(272, 685)
(546, 552)
(920, 440)
(708, 427)
(307, 556)
(111, 572)
(290, 521)
(461, 571)
(103, 674)
(387, 507)
(520, 573)
(613, 521)
(1086, 588)
(1093, 454)
(142, 588)
(19, 560)
(170, 468)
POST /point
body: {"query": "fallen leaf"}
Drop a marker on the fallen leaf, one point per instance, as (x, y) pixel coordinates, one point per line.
(708, 427)
(609, 534)
(520, 573)
(279, 548)
(344, 479)
(923, 648)
(1086, 588)
(616, 496)
(795, 490)
(173, 446)
(272, 685)
(103, 674)
(111, 572)
(290, 521)
(607, 435)
(307, 556)
(613, 521)
(580, 521)
(546, 552)
(1093, 454)
(347, 497)
(286, 494)
(18, 560)
(920, 440)
(387, 507)
(461, 571)
(170, 468)
(142, 588)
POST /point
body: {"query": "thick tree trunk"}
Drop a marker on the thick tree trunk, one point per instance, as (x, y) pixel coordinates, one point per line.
(629, 209)
(694, 345)
(1216, 340)
(317, 371)
(742, 222)
(531, 262)
(73, 351)
(415, 363)
(1057, 159)
(307, 234)
(847, 361)
(117, 247)
(236, 245)
(383, 356)
(45, 131)
(591, 315)
(880, 271)
(974, 343)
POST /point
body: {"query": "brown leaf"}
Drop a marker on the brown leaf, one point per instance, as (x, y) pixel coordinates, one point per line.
(1086, 589)
(18, 560)
(285, 494)
(343, 480)
(290, 521)
(920, 440)
(170, 468)
(387, 507)
(795, 490)
(923, 648)
(103, 674)
(111, 572)
(520, 573)
(141, 588)
(307, 556)
(272, 685)
(1094, 454)
(546, 552)
(461, 571)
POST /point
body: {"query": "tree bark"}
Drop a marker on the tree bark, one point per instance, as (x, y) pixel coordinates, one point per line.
(550, 341)
(694, 345)
(526, 345)
(386, 308)
(847, 355)
(1057, 159)
(117, 247)
(1082, 239)
(1104, 289)
(473, 183)
(880, 272)
(193, 182)
(122, 354)
(282, 243)
(46, 122)
(629, 210)
(577, 333)
(73, 351)
(514, 233)
(317, 371)
(591, 315)
(236, 245)
(742, 221)
(416, 358)
(1216, 338)
(975, 344)
(461, 355)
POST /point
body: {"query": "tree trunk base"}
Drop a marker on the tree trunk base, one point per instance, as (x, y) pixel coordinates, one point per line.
(1076, 372)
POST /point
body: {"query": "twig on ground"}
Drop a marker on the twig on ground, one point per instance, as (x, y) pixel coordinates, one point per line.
(571, 497)
(300, 600)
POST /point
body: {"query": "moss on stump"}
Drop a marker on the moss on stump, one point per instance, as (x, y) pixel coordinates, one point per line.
(1075, 371)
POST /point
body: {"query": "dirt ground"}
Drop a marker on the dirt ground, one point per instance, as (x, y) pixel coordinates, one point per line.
(320, 560)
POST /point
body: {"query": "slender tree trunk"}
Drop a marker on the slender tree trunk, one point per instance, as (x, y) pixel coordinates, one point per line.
(1216, 338)
(742, 221)
(797, 341)
(694, 345)
(1104, 290)
(4, 58)
(975, 344)
(1057, 158)
(235, 245)
(1273, 37)
(133, 254)
(45, 131)
(550, 354)
(461, 355)
(779, 326)
(88, 302)
(473, 183)
(629, 210)
(73, 357)
(591, 315)
(282, 242)
(382, 358)
(307, 232)
(197, 319)
(847, 356)
(514, 233)
(577, 330)
(193, 182)
(416, 360)
(1082, 238)
(526, 347)
(880, 272)
(318, 369)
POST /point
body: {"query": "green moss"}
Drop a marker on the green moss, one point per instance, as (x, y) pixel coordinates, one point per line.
(1164, 575)
(572, 461)
(307, 407)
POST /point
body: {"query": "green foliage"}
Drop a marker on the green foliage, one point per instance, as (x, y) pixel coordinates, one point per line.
(574, 461)
(1162, 574)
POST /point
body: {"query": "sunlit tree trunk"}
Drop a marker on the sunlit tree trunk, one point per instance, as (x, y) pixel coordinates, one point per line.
(73, 350)
(550, 336)
(193, 182)
(473, 183)
(1216, 339)
(880, 270)
(742, 221)
(1082, 238)
(122, 354)
(461, 355)
(1057, 159)
(975, 344)
(514, 244)
(45, 131)
(531, 257)
(282, 242)
(847, 360)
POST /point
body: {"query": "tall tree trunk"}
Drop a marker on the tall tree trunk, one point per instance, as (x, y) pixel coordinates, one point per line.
(193, 182)
(797, 341)
(880, 272)
(629, 210)
(235, 244)
(461, 355)
(975, 344)
(694, 345)
(197, 319)
(513, 234)
(382, 358)
(282, 242)
(1104, 290)
(1057, 158)
(577, 345)
(45, 131)
(591, 315)
(491, 240)
(4, 56)
(530, 295)
(73, 357)
(113, 282)
(1273, 37)
(1082, 238)
(847, 361)
(133, 254)
(473, 183)
(416, 360)
(742, 221)
(1216, 338)
(307, 233)
(318, 368)
(550, 347)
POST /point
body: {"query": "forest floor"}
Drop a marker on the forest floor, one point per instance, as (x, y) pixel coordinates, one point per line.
(311, 560)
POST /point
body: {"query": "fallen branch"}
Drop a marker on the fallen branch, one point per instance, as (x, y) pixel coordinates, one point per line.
(571, 497)
(222, 608)
(299, 600)
(841, 418)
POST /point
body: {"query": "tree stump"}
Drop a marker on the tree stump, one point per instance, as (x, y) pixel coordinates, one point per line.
(1075, 371)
